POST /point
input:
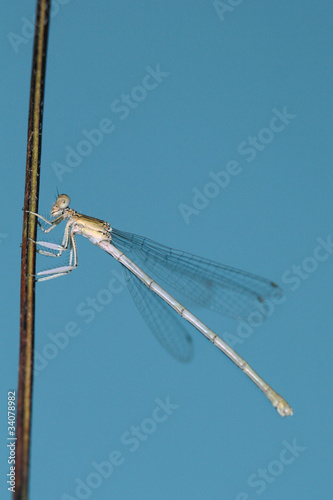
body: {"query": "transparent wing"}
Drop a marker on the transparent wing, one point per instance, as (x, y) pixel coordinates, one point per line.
(162, 321)
(221, 288)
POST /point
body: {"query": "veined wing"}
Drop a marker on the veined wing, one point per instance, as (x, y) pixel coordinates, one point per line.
(162, 321)
(221, 288)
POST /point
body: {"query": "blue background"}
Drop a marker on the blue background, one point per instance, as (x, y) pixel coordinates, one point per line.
(226, 72)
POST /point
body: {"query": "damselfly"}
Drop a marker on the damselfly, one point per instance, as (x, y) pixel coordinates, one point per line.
(223, 289)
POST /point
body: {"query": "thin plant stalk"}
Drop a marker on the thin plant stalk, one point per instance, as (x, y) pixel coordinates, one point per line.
(27, 308)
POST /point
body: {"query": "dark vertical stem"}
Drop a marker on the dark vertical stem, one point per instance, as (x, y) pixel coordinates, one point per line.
(27, 310)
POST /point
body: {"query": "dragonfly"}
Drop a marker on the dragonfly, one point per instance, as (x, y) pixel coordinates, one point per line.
(221, 288)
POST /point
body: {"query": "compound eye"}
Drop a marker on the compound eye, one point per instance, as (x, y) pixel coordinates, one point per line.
(63, 201)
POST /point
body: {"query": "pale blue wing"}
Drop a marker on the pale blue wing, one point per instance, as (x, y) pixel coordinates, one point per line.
(221, 288)
(164, 323)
